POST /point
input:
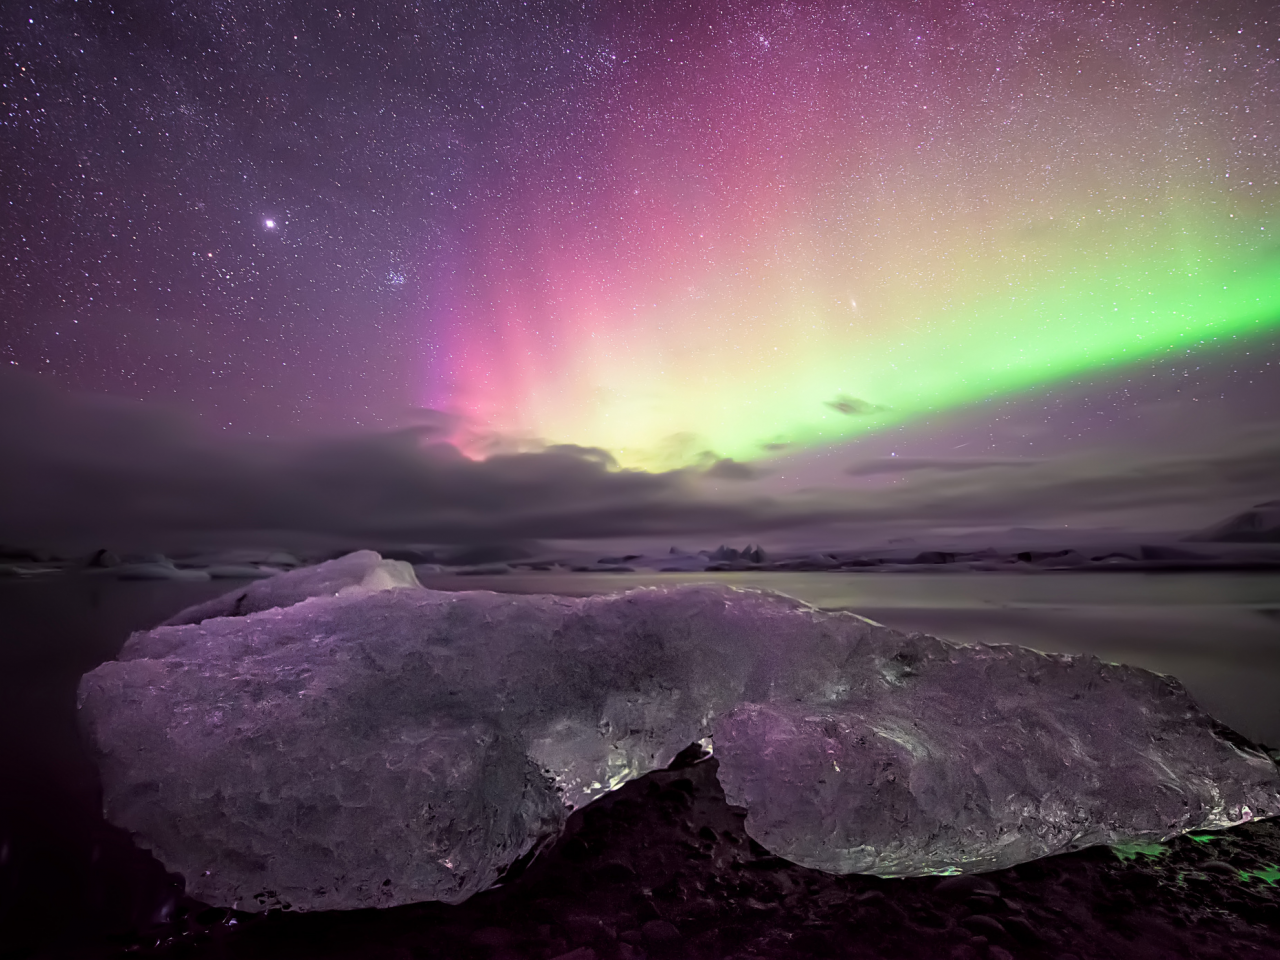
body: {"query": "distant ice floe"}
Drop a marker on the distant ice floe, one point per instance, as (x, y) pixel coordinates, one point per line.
(1259, 524)
(340, 737)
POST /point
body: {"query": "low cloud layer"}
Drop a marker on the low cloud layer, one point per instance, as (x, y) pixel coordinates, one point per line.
(904, 465)
(83, 472)
(1240, 468)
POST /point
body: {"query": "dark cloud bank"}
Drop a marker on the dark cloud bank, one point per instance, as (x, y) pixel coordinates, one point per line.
(87, 471)
(904, 465)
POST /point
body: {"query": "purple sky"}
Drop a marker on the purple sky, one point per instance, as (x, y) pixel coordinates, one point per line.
(249, 216)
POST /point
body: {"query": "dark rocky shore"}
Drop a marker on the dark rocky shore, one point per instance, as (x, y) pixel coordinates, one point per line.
(662, 868)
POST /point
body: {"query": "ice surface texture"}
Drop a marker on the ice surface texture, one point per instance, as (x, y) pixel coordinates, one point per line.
(357, 573)
(372, 747)
(958, 759)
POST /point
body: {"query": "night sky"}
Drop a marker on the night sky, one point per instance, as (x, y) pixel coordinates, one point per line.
(803, 236)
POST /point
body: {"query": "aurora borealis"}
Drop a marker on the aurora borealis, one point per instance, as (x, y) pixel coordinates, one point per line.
(674, 233)
(796, 224)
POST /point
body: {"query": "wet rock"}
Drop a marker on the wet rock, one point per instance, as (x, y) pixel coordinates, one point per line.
(1022, 930)
(493, 937)
(987, 926)
(966, 886)
(581, 953)
(1218, 868)
(614, 871)
(659, 933)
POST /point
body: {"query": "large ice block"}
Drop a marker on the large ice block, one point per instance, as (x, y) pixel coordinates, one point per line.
(381, 748)
(366, 748)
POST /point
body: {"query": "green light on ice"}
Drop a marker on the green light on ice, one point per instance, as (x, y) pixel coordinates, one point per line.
(1270, 874)
(1131, 851)
(1204, 837)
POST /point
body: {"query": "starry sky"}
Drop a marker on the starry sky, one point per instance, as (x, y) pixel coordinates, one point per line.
(788, 239)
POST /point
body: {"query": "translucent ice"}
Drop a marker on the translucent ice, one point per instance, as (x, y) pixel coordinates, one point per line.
(361, 572)
(383, 748)
(949, 759)
(370, 748)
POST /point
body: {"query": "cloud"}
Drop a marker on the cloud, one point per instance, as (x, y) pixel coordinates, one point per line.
(853, 407)
(727, 468)
(86, 471)
(947, 465)
(1238, 467)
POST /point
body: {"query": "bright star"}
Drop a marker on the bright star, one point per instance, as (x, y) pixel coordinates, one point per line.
(269, 224)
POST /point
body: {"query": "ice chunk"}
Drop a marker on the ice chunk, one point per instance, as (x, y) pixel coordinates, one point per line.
(1260, 524)
(338, 752)
(361, 572)
(261, 796)
(376, 748)
(950, 759)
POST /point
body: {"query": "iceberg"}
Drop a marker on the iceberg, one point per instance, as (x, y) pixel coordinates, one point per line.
(1259, 524)
(340, 737)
